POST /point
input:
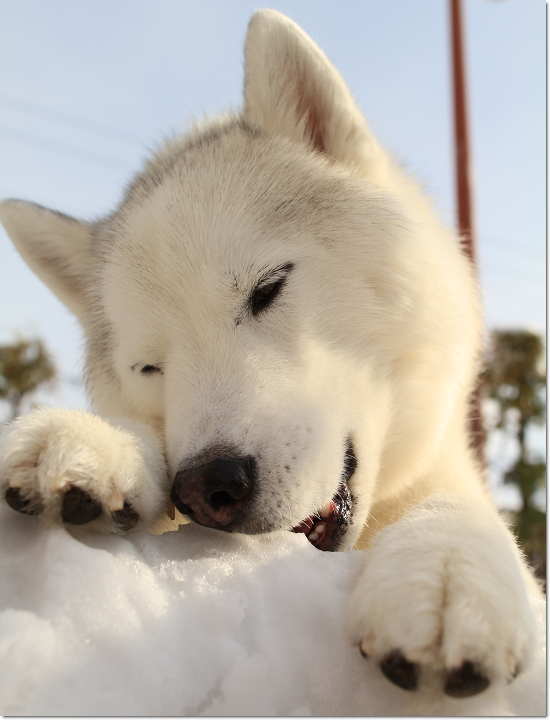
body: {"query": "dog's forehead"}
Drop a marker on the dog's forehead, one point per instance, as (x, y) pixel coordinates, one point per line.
(215, 215)
(231, 193)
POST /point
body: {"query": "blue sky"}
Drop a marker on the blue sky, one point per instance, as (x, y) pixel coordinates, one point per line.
(87, 85)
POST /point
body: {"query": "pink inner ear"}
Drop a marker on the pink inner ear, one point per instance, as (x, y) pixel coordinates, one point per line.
(310, 111)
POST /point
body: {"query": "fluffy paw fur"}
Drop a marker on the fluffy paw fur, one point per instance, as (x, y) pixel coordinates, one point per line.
(74, 468)
(443, 599)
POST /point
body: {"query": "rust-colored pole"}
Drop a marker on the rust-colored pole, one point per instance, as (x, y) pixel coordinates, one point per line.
(464, 202)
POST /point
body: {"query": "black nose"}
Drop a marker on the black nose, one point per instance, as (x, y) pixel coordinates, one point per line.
(215, 493)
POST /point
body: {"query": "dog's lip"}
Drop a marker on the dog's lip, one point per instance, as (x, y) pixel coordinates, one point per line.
(326, 528)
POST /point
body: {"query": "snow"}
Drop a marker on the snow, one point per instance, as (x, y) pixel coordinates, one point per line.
(196, 622)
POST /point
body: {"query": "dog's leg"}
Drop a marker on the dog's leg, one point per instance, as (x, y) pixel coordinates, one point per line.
(445, 595)
(74, 468)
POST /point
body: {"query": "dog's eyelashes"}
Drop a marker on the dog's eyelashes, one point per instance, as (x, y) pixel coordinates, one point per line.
(148, 369)
(266, 292)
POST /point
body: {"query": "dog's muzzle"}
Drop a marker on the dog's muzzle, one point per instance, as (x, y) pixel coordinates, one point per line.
(215, 493)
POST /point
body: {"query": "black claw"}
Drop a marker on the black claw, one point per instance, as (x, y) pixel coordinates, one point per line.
(19, 502)
(79, 508)
(126, 518)
(400, 671)
(465, 681)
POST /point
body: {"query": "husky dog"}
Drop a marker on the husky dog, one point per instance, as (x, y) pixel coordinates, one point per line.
(282, 335)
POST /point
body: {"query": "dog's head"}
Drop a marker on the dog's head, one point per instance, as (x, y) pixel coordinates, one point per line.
(275, 299)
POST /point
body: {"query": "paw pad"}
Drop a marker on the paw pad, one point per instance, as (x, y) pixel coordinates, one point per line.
(79, 508)
(17, 501)
(465, 681)
(400, 671)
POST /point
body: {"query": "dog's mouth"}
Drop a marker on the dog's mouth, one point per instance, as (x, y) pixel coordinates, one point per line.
(326, 528)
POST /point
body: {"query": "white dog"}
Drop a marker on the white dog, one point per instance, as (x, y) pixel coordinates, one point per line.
(281, 334)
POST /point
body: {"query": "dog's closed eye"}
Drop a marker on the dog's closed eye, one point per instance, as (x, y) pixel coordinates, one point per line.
(148, 369)
(268, 289)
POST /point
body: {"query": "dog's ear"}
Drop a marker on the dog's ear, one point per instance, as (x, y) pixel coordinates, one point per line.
(55, 246)
(292, 89)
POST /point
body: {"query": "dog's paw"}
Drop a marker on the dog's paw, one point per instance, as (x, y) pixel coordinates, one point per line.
(443, 600)
(74, 468)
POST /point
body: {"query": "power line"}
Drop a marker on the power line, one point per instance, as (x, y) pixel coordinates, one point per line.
(491, 266)
(509, 246)
(63, 148)
(32, 108)
(514, 272)
(91, 126)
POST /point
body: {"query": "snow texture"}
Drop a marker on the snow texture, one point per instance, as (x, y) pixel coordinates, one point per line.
(197, 622)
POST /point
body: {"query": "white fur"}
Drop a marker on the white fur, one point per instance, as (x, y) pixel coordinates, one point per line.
(455, 567)
(50, 449)
(375, 336)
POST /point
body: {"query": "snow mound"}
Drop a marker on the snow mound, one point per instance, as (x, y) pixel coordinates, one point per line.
(196, 622)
